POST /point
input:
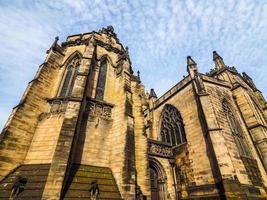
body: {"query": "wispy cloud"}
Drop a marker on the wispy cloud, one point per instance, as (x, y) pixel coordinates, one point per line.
(160, 35)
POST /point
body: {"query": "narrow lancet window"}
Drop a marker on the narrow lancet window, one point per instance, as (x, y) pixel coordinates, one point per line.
(172, 127)
(68, 80)
(236, 130)
(100, 89)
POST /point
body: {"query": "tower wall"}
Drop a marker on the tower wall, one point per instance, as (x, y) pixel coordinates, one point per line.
(106, 135)
(255, 122)
(78, 134)
(217, 95)
(44, 141)
(20, 128)
(73, 109)
(251, 105)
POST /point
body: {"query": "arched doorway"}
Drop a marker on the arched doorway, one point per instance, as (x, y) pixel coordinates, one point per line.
(157, 180)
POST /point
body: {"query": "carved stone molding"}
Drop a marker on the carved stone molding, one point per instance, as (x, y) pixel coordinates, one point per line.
(109, 30)
(159, 149)
(108, 47)
(57, 107)
(99, 109)
(77, 42)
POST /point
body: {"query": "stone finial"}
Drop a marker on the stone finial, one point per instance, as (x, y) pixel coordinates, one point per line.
(138, 76)
(109, 30)
(127, 50)
(190, 61)
(152, 93)
(216, 55)
(55, 42)
(191, 67)
(54, 45)
(218, 60)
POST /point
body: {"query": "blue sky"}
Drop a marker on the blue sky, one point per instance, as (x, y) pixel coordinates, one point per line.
(160, 34)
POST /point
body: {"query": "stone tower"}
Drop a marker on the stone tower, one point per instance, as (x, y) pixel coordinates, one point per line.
(86, 124)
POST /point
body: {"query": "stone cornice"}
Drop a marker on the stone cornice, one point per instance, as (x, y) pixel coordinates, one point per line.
(160, 149)
(100, 101)
(108, 47)
(215, 81)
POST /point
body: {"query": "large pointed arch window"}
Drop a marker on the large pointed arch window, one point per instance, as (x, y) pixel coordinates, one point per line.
(100, 88)
(236, 130)
(69, 76)
(172, 127)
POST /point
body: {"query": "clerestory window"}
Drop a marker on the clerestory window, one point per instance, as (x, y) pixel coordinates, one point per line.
(172, 127)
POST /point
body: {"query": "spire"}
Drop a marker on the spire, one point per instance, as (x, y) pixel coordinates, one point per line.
(195, 76)
(138, 76)
(218, 60)
(54, 45)
(152, 93)
(190, 61)
(191, 67)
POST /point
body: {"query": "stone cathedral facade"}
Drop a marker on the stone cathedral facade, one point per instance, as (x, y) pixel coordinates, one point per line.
(85, 121)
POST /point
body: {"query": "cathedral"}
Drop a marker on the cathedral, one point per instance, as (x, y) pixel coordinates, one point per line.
(86, 128)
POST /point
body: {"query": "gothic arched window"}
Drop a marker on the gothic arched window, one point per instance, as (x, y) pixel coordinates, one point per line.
(172, 127)
(70, 73)
(236, 130)
(100, 88)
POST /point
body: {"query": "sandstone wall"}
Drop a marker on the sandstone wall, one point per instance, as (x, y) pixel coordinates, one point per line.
(20, 127)
(44, 140)
(197, 159)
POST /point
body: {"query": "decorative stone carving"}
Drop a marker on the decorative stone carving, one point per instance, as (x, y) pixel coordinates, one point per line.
(77, 42)
(94, 190)
(109, 30)
(18, 187)
(100, 109)
(157, 149)
(58, 106)
(200, 85)
(108, 47)
(124, 55)
(56, 47)
(121, 58)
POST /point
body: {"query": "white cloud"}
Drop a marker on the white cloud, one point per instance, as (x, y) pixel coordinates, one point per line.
(160, 35)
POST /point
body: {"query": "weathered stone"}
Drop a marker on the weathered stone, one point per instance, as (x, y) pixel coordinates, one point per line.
(78, 123)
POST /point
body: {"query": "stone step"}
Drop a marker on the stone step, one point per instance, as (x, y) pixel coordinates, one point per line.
(86, 186)
(82, 175)
(86, 180)
(36, 176)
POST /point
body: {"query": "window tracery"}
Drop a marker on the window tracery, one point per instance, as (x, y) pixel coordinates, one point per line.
(100, 89)
(70, 73)
(236, 131)
(172, 127)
